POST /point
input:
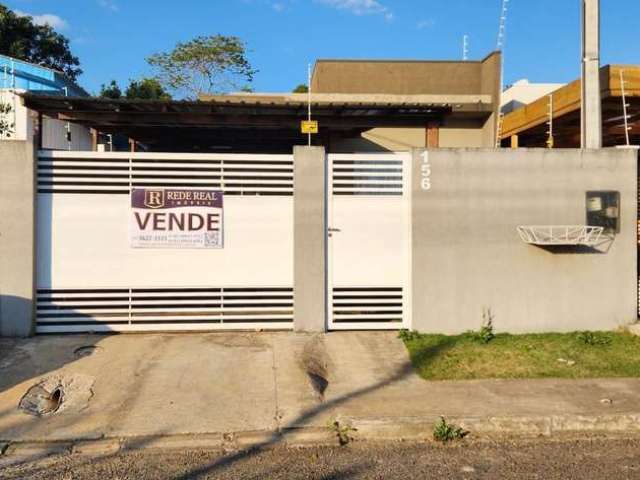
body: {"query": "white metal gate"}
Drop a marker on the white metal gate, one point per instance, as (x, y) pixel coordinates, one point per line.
(89, 279)
(369, 235)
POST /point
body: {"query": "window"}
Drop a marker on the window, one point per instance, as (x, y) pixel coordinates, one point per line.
(603, 210)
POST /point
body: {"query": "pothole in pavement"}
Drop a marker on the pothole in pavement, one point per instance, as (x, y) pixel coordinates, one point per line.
(38, 401)
(87, 351)
(57, 393)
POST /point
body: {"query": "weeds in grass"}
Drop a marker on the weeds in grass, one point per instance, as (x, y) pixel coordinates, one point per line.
(594, 339)
(485, 334)
(343, 432)
(408, 335)
(446, 432)
(462, 357)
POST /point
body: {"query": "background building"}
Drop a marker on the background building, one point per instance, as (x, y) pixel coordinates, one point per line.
(361, 106)
(524, 92)
(528, 126)
(19, 77)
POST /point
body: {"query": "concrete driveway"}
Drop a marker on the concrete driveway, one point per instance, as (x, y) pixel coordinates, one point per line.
(188, 383)
(173, 384)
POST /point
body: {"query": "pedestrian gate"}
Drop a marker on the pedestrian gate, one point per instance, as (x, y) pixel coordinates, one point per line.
(369, 235)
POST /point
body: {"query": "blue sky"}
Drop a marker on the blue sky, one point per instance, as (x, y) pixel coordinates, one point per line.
(113, 37)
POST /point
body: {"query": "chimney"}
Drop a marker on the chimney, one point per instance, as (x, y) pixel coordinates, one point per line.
(591, 125)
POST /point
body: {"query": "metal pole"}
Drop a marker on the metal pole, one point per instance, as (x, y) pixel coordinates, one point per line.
(465, 48)
(309, 101)
(625, 107)
(68, 125)
(502, 31)
(550, 140)
(591, 111)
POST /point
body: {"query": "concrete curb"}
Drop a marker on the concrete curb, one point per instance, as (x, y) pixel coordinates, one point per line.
(108, 446)
(380, 429)
(420, 428)
(173, 442)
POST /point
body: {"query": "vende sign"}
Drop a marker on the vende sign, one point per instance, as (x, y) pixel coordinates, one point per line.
(176, 218)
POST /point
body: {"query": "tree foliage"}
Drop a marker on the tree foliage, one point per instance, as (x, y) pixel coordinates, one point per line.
(213, 64)
(147, 89)
(111, 90)
(6, 125)
(302, 88)
(143, 89)
(40, 44)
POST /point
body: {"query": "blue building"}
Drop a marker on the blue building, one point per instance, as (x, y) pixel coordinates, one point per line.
(17, 76)
(20, 75)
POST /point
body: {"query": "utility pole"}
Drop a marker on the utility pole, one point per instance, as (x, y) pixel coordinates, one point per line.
(591, 111)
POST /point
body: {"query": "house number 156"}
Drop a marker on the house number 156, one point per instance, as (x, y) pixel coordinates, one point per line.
(426, 172)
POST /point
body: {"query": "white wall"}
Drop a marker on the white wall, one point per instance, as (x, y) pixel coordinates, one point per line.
(523, 93)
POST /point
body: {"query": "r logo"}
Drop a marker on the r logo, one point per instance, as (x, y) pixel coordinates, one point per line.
(154, 198)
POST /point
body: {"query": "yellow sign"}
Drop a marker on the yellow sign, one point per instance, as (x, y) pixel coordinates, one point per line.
(309, 126)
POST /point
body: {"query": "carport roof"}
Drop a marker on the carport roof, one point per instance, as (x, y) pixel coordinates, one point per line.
(529, 122)
(239, 118)
(105, 111)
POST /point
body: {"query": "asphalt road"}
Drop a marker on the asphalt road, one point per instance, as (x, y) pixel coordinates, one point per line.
(536, 459)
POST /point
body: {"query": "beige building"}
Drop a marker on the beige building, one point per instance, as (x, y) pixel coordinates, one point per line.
(469, 90)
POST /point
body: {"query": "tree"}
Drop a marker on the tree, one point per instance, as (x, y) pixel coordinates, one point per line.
(302, 88)
(40, 44)
(147, 89)
(112, 90)
(6, 125)
(213, 64)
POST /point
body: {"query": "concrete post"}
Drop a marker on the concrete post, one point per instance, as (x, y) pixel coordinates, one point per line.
(591, 95)
(17, 238)
(310, 231)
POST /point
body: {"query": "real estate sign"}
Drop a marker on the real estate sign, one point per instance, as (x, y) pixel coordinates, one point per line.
(176, 218)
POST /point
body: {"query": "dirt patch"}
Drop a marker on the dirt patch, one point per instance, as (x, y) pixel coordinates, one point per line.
(57, 393)
(316, 363)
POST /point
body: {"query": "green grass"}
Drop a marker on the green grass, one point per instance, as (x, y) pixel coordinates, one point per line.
(463, 357)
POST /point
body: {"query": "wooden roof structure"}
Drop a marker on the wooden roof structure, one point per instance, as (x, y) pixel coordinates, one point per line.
(530, 123)
(254, 122)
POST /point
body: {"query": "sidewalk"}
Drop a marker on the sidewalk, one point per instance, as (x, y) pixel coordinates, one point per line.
(256, 388)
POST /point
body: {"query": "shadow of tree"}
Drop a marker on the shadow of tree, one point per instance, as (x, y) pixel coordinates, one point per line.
(425, 354)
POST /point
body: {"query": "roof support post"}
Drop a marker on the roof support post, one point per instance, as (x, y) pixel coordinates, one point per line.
(591, 112)
(433, 135)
